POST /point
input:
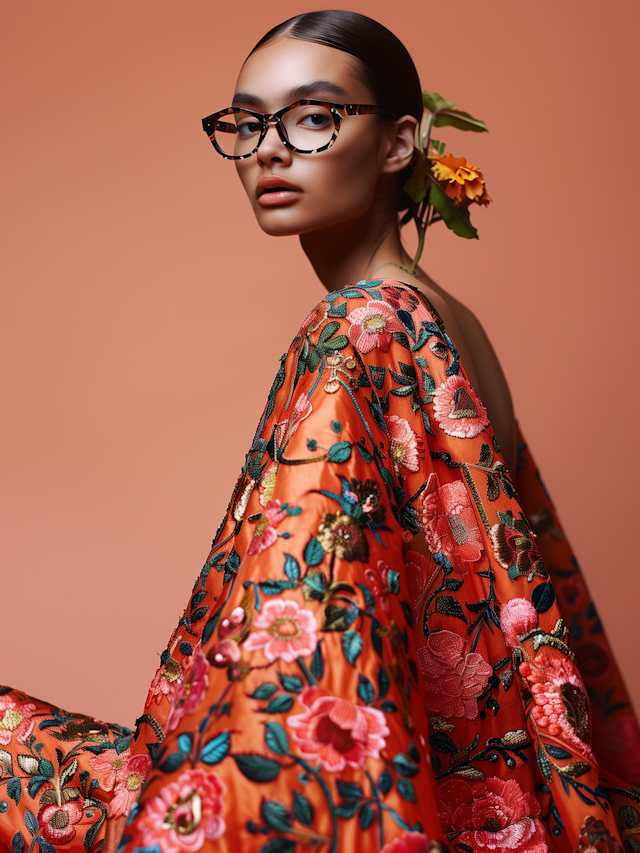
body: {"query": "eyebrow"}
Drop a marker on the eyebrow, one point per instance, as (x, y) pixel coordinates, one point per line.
(307, 90)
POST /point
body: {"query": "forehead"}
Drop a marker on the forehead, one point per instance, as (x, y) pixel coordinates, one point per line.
(274, 74)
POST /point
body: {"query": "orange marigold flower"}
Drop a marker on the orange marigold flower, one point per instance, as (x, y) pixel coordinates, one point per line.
(465, 183)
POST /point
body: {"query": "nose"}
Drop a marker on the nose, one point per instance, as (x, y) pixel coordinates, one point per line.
(272, 149)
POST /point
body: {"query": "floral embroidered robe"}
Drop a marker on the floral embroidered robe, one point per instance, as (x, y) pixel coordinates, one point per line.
(380, 649)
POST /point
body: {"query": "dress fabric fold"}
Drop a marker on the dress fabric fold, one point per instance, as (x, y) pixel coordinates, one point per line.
(390, 645)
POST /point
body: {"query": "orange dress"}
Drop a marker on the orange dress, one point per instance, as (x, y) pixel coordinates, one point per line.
(390, 646)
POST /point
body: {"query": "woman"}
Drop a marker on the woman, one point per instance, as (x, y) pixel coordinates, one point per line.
(373, 656)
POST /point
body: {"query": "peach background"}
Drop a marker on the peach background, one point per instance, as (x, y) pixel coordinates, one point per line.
(144, 312)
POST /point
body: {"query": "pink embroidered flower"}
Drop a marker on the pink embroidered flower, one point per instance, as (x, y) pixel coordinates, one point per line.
(399, 297)
(185, 813)
(453, 679)
(383, 581)
(493, 815)
(108, 764)
(404, 444)
(226, 653)
(57, 823)
(15, 720)
(129, 781)
(517, 616)
(190, 688)
(232, 624)
(561, 707)
(408, 842)
(373, 325)
(450, 523)
(288, 632)
(458, 409)
(336, 732)
(164, 682)
(265, 533)
(316, 318)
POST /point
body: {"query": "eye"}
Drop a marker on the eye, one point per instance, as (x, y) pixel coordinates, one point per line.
(248, 127)
(315, 120)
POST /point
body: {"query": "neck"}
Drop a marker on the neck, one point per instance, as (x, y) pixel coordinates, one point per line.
(362, 248)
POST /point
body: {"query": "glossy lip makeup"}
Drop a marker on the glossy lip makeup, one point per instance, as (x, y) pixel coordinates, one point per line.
(273, 191)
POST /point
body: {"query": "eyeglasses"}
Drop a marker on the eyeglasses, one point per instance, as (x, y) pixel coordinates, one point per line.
(305, 127)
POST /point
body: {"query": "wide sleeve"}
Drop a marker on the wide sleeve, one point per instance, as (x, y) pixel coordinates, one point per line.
(373, 648)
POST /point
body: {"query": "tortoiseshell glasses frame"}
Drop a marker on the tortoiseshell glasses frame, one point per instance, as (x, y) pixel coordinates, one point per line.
(338, 111)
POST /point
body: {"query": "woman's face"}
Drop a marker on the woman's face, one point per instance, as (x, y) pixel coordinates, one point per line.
(329, 187)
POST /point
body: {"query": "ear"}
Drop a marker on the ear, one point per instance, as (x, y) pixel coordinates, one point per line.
(401, 147)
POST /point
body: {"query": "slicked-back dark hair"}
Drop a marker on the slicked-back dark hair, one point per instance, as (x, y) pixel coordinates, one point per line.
(384, 63)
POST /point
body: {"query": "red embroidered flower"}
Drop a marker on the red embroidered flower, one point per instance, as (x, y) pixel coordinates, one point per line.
(226, 653)
(108, 764)
(372, 326)
(57, 822)
(458, 409)
(561, 707)
(420, 570)
(570, 592)
(15, 720)
(336, 732)
(517, 616)
(408, 842)
(595, 838)
(453, 679)
(164, 682)
(383, 581)
(185, 813)
(289, 632)
(404, 444)
(232, 624)
(399, 297)
(190, 689)
(493, 815)
(450, 523)
(265, 533)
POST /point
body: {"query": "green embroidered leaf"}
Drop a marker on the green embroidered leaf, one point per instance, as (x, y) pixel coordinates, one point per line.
(216, 748)
(366, 815)
(264, 691)
(338, 618)
(302, 809)
(17, 842)
(340, 451)
(276, 738)
(292, 683)
(313, 553)
(14, 790)
(365, 689)
(383, 682)
(350, 790)
(351, 646)
(210, 627)
(441, 742)
(279, 845)
(257, 768)
(406, 790)
(280, 705)
(385, 782)
(276, 815)
(450, 606)
(314, 585)
(175, 760)
(46, 768)
(404, 765)
(291, 567)
(317, 663)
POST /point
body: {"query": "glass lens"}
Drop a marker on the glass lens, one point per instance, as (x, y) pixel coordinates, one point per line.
(309, 127)
(237, 133)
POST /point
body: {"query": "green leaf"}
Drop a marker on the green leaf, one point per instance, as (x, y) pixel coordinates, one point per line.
(292, 683)
(291, 567)
(404, 765)
(279, 845)
(455, 218)
(216, 749)
(416, 186)
(352, 646)
(257, 768)
(366, 815)
(46, 768)
(175, 760)
(340, 451)
(276, 815)
(313, 552)
(317, 663)
(279, 705)
(365, 689)
(460, 120)
(406, 790)
(302, 809)
(435, 102)
(276, 738)
(264, 691)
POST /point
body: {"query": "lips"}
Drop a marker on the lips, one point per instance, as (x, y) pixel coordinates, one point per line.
(272, 185)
